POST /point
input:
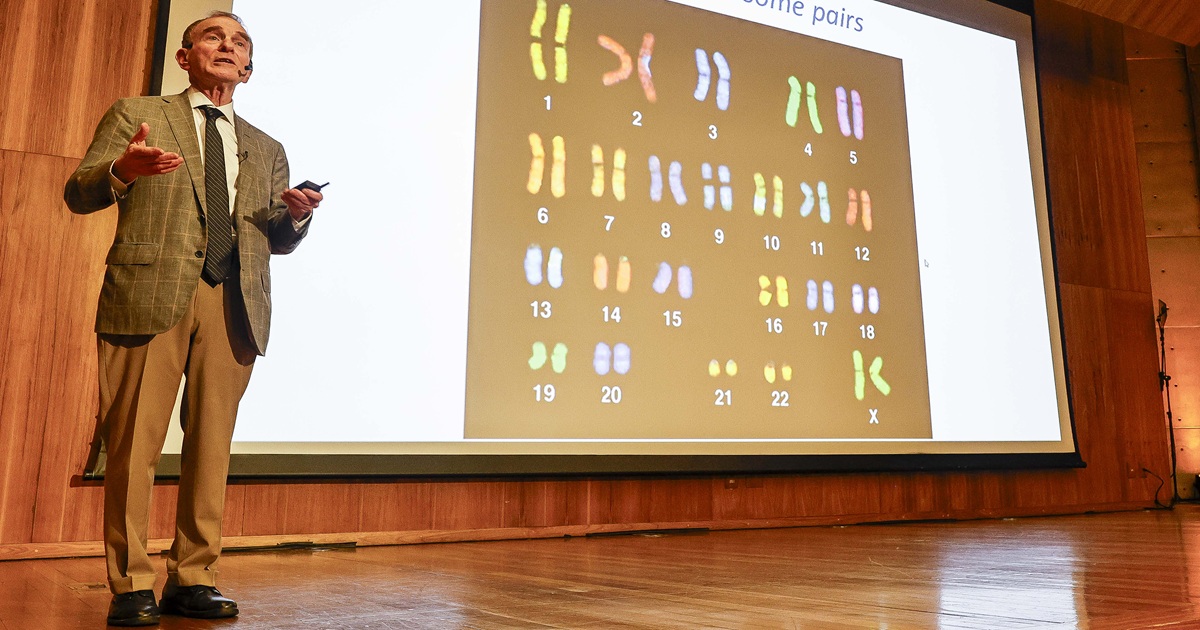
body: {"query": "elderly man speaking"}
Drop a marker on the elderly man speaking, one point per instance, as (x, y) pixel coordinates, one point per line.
(202, 202)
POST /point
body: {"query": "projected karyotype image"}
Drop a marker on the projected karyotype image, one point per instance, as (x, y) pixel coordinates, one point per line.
(696, 206)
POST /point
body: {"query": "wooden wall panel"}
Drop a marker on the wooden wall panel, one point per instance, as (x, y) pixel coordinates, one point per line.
(65, 62)
(1093, 179)
(47, 359)
(1178, 20)
(49, 354)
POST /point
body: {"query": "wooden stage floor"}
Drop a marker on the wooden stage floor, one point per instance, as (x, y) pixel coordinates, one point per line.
(1111, 571)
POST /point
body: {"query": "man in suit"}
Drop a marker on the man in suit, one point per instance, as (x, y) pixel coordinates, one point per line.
(203, 201)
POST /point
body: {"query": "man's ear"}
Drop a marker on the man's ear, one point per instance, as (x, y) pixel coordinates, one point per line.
(181, 58)
(244, 75)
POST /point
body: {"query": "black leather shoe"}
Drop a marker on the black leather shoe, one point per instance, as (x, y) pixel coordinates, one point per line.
(199, 602)
(136, 608)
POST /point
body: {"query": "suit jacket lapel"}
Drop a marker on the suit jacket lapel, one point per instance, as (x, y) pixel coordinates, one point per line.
(179, 115)
(251, 157)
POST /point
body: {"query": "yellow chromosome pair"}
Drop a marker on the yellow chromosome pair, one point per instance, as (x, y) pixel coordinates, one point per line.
(760, 195)
(561, 28)
(781, 291)
(714, 368)
(618, 175)
(537, 166)
(784, 372)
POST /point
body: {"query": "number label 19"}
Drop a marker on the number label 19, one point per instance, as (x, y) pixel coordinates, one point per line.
(543, 393)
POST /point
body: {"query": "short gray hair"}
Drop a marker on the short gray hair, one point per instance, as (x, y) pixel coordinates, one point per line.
(187, 32)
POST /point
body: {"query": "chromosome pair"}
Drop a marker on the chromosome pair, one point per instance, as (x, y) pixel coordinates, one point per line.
(760, 195)
(675, 177)
(533, 266)
(561, 29)
(710, 191)
(852, 209)
(558, 357)
(796, 93)
(662, 281)
(616, 358)
(872, 299)
(850, 115)
(623, 72)
(600, 273)
(810, 202)
(824, 298)
(781, 291)
(704, 78)
(714, 368)
(770, 373)
(537, 166)
(860, 379)
(618, 175)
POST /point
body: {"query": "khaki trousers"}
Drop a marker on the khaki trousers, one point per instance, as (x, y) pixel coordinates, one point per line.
(139, 381)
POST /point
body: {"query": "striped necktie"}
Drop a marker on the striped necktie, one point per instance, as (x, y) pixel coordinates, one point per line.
(218, 258)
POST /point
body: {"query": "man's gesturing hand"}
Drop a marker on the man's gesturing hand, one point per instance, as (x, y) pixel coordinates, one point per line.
(140, 159)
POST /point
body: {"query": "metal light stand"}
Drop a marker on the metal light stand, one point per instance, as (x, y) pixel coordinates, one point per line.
(1164, 384)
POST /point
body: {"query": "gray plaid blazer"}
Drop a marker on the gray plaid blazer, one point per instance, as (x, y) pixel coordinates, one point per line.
(156, 258)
